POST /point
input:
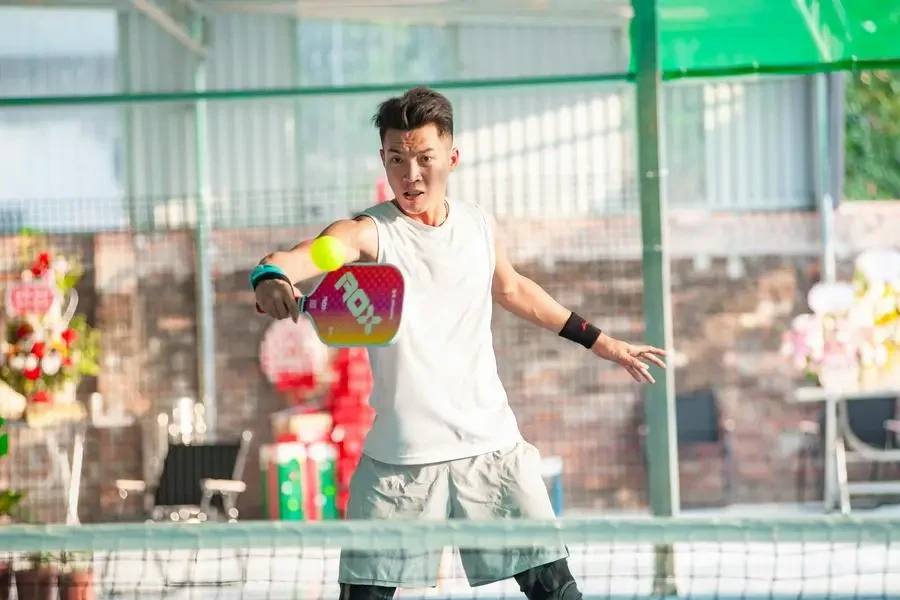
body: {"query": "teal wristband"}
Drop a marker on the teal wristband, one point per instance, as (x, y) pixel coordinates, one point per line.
(263, 272)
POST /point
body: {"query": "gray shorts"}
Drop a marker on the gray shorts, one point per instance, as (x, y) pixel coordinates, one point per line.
(505, 484)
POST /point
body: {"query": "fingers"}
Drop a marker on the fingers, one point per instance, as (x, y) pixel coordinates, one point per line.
(639, 371)
(651, 354)
(281, 308)
(653, 350)
(634, 374)
(294, 309)
(285, 308)
(640, 375)
(651, 358)
(275, 308)
(277, 300)
(265, 306)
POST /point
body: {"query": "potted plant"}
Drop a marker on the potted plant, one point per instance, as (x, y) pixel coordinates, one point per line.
(76, 581)
(37, 581)
(5, 578)
(9, 499)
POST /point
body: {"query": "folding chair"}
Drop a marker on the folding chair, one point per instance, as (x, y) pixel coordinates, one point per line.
(867, 431)
(701, 425)
(198, 481)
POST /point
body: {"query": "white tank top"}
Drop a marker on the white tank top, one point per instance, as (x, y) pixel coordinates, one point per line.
(437, 394)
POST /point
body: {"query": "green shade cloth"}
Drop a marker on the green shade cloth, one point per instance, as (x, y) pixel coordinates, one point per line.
(714, 37)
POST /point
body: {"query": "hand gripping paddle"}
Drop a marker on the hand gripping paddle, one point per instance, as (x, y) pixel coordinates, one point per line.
(359, 304)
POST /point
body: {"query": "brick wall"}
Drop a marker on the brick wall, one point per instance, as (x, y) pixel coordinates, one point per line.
(736, 282)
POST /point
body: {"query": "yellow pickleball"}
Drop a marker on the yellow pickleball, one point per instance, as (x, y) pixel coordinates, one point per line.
(328, 253)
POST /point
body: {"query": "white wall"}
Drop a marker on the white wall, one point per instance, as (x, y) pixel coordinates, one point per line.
(541, 150)
(43, 32)
(61, 166)
(251, 143)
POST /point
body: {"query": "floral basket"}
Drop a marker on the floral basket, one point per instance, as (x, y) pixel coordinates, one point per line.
(851, 340)
(877, 286)
(46, 348)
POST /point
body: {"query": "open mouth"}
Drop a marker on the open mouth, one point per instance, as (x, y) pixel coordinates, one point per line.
(412, 195)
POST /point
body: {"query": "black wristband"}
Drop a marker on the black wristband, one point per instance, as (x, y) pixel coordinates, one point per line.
(270, 275)
(580, 331)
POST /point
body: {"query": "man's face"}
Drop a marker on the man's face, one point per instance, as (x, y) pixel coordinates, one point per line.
(418, 163)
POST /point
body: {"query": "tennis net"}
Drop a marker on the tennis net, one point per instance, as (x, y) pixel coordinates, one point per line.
(822, 557)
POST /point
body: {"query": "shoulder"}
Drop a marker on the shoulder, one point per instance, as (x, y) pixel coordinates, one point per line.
(473, 211)
(359, 234)
(383, 211)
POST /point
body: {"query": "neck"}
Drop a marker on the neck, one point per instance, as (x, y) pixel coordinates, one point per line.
(434, 216)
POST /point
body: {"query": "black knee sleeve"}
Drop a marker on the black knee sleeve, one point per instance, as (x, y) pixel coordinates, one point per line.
(552, 581)
(366, 592)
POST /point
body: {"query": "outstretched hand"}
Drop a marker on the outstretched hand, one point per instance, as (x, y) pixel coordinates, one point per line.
(633, 358)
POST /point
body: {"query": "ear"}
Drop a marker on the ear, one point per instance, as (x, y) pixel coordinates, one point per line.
(381, 154)
(454, 157)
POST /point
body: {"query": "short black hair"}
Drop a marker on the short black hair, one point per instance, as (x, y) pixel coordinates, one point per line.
(417, 108)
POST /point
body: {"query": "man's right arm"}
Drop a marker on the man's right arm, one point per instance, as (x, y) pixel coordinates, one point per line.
(358, 236)
(274, 296)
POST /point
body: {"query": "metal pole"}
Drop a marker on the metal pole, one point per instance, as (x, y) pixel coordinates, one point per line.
(170, 26)
(836, 115)
(297, 211)
(124, 75)
(659, 407)
(824, 183)
(205, 286)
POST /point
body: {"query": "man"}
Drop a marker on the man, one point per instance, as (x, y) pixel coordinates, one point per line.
(444, 443)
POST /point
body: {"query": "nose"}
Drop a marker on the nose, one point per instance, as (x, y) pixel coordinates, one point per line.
(412, 172)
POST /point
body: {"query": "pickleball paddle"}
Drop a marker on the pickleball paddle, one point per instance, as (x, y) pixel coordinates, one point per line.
(358, 304)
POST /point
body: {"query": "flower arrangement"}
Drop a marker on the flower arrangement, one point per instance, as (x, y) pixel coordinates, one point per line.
(46, 347)
(822, 345)
(876, 284)
(852, 337)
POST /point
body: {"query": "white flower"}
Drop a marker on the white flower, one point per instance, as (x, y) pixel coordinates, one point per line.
(27, 275)
(60, 265)
(51, 363)
(17, 362)
(31, 362)
(881, 356)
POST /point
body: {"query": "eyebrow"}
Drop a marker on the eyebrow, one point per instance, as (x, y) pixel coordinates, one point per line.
(398, 151)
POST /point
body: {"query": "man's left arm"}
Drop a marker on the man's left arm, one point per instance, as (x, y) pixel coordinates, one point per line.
(526, 299)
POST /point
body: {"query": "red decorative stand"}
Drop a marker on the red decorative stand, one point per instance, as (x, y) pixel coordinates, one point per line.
(348, 403)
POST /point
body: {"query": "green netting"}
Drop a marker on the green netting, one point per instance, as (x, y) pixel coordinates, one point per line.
(810, 558)
(715, 37)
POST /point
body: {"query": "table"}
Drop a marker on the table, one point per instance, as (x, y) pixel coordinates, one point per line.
(60, 454)
(831, 399)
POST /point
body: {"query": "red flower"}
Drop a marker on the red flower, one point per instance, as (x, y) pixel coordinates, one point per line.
(291, 382)
(39, 349)
(69, 336)
(67, 361)
(40, 396)
(41, 264)
(23, 330)
(32, 374)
